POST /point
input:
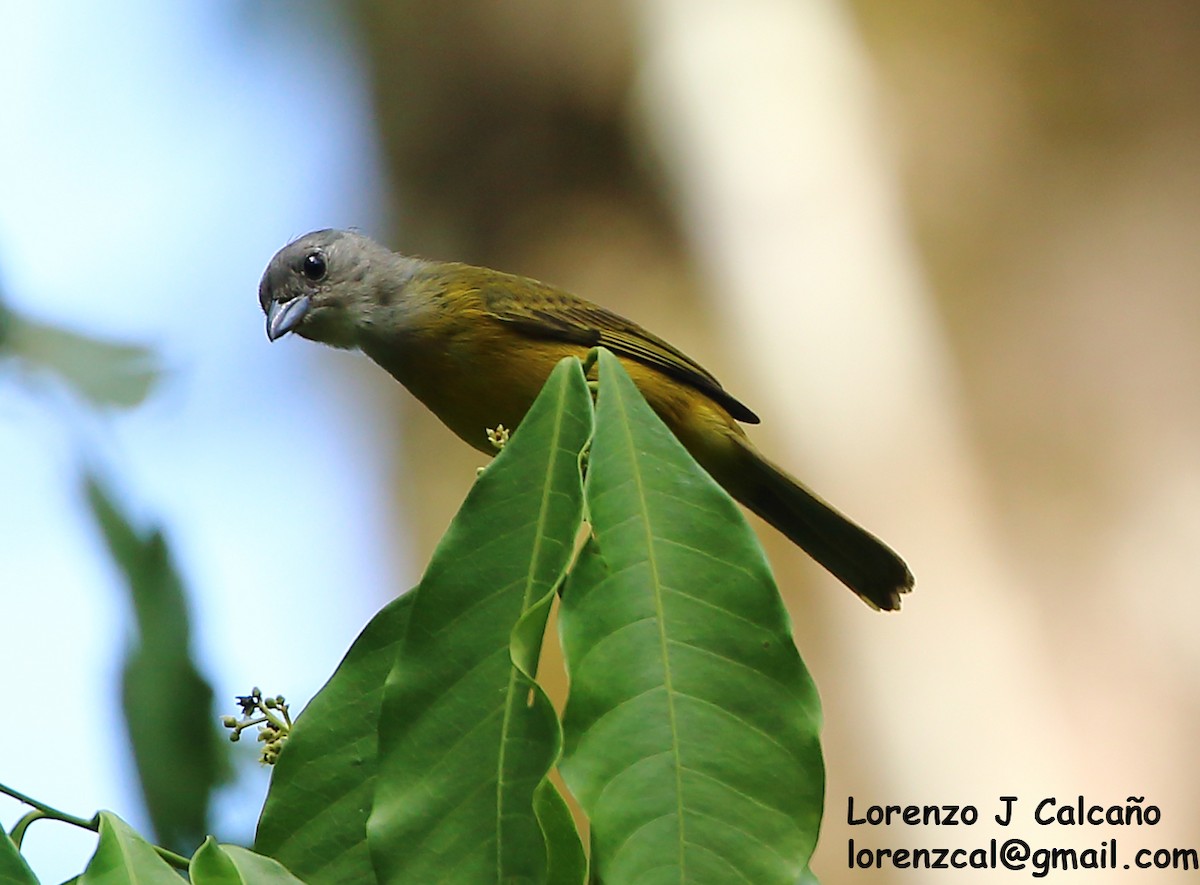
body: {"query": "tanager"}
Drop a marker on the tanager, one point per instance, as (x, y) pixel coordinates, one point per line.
(476, 345)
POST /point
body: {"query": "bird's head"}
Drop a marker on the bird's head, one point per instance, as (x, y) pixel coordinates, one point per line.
(325, 286)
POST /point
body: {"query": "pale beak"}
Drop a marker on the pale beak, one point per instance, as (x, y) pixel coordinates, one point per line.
(284, 316)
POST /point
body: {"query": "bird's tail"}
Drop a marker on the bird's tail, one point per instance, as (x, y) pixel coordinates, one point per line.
(853, 555)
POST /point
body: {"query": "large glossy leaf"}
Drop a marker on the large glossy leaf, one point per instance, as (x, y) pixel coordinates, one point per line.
(566, 862)
(13, 869)
(315, 817)
(465, 739)
(217, 864)
(177, 746)
(691, 729)
(122, 856)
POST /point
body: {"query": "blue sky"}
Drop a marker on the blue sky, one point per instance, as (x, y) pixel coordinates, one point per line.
(152, 159)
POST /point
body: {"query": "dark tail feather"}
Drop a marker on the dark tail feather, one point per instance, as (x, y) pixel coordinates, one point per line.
(853, 555)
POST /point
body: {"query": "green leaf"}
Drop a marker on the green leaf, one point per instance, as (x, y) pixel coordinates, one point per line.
(691, 729)
(7, 321)
(217, 864)
(177, 747)
(567, 862)
(106, 373)
(465, 739)
(13, 869)
(122, 856)
(315, 818)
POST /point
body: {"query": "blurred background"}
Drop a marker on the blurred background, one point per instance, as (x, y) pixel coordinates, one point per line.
(947, 250)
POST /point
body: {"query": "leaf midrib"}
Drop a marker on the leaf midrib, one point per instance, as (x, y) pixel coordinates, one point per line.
(664, 652)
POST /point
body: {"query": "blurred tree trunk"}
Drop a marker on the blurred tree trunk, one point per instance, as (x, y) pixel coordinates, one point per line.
(1048, 152)
(507, 137)
(506, 132)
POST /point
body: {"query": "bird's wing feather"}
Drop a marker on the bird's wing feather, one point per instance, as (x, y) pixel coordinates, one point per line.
(546, 313)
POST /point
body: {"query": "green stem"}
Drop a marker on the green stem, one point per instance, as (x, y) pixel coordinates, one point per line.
(43, 811)
(178, 861)
(279, 724)
(49, 811)
(18, 830)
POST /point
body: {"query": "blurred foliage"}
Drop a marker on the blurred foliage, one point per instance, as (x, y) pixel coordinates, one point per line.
(167, 703)
(103, 373)
(177, 747)
(168, 707)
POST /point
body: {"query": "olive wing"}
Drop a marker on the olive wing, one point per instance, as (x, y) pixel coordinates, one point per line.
(554, 315)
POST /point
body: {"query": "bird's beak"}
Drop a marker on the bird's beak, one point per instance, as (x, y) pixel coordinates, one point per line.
(284, 316)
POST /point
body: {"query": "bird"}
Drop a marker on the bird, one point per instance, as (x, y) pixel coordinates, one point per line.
(475, 346)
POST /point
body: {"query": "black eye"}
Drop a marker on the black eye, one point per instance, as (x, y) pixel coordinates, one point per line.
(313, 266)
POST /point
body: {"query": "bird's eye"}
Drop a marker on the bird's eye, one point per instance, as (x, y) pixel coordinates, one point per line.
(314, 267)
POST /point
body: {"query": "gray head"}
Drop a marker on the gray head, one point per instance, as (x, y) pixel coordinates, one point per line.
(321, 285)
